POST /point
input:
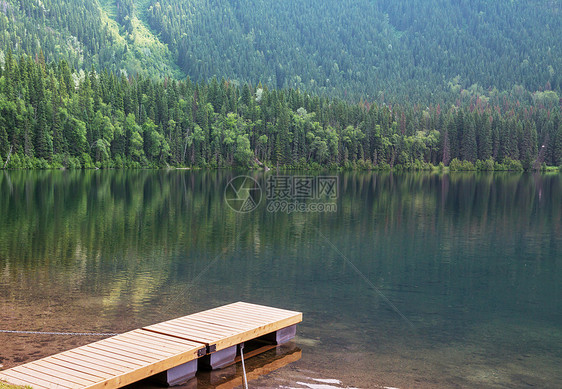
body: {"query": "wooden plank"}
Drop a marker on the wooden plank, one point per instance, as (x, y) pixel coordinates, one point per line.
(31, 373)
(73, 369)
(212, 328)
(235, 325)
(255, 309)
(154, 343)
(182, 335)
(91, 363)
(19, 382)
(54, 376)
(239, 314)
(188, 320)
(232, 319)
(69, 368)
(242, 314)
(147, 371)
(60, 373)
(151, 338)
(189, 328)
(261, 308)
(296, 318)
(210, 323)
(253, 333)
(107, 357)
(120, 354)
(16, 378)
(167, 340)
(142, 350)
(124, 350)
(224, 336)
(126, 344)
(185, 333)
(254, 312)
(174, 339)
(257, 314)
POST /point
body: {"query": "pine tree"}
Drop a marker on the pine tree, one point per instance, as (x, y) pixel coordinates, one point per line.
(468, 142)
(484, 138)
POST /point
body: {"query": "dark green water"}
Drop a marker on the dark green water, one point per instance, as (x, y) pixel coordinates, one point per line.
(470, 267)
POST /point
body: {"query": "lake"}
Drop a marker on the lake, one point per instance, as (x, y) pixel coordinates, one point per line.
(405, 280)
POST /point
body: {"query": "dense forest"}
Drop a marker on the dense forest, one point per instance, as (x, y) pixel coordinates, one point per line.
(52, 116)
(414, 50)
(406, 51)
(105, 34)
(295, 84)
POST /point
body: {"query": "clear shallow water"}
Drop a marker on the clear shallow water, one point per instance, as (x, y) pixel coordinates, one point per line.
(469, 266)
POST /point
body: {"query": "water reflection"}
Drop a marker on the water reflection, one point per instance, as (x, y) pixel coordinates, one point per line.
(473, 261)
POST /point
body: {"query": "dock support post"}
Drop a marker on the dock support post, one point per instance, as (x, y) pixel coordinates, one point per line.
(178, 375)
(219, 359)
(281, 336)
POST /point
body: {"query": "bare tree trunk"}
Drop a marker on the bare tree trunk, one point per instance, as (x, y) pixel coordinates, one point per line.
(256, 160)
(8, 158)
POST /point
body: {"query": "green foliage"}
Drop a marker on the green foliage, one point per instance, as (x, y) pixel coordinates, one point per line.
(106, 121)
(389, 50)
(72, 163)
(547, 98)
(420, 50)
(487, 165)
(83, 33)
(243, 154)
(457, 165)
(509, 165)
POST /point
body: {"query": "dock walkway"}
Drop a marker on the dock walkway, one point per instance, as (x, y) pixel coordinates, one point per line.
(171, 351)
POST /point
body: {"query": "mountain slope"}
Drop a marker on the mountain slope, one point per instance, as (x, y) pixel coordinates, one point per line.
(85, 34)
(420, 51)
(415, 49)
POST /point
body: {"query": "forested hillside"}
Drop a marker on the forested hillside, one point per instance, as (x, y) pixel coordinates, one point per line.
(418, 51)
(304, 84)
(106, 34)
(52, 117)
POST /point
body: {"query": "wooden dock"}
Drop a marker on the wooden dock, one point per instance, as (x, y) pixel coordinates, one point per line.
(171, 351)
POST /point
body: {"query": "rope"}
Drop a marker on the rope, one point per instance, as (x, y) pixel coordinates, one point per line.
(57, 333)
(243, 367)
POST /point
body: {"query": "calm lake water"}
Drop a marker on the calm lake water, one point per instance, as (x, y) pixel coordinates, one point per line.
(417, 280)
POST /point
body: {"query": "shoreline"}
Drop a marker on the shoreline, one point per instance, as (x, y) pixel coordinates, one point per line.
(396, 169)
